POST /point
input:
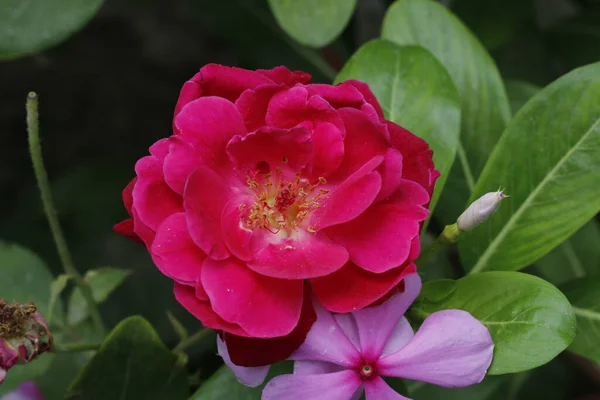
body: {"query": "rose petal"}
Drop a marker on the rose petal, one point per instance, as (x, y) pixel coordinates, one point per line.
(339, 96)
(334, 386)
(253, 104)
(328, 142)
(327, 342)
(264, 307)
(378, 389)
(391, 174)
(251, 352)
(125, 228)
(315, 367)
(305, 255)
(206, 195)
(176, 254)
(283, 75)
(182, 160)
(249, 376)
(451, 349)
(236, 237)
(381, 237)
(352, 288)
(202, 310)
(368, 95)
(375, 324)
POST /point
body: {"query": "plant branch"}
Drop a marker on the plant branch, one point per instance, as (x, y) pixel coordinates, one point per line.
(449, 235)
(35, 150)
(195, 338)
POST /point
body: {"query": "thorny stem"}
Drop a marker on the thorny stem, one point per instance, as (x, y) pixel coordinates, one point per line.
(35, 150)
(449, 235)
(195, 338)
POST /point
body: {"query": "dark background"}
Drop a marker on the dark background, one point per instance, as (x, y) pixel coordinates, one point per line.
(108, 93)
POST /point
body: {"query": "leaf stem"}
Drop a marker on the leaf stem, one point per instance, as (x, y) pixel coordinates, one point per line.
(76, 347)
(35, 150)
(195, 338)
(449, 235)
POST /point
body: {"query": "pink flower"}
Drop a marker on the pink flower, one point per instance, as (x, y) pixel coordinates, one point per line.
(346, 354)
(269, 182)
(25, 391)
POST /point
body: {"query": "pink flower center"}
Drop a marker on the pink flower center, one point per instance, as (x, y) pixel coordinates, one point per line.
(283, 200)
(366, 371)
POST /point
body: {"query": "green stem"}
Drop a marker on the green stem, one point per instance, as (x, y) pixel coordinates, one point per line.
(35, 150)
(449, 235)
(195, 338)
(76, 347)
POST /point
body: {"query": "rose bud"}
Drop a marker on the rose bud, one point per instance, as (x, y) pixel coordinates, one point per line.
(23, 332)
(480, 210)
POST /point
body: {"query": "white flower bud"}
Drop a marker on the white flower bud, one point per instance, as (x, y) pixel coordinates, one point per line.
(480, 210)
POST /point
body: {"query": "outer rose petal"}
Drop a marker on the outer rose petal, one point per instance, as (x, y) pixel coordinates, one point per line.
(208, 124)
(328, 142)
(264, 307)
(377, 389)
(381, 237)
(251, 352)
(249, 376)
(305, 255)
(352, 288)
(451, 349)
(327, 342)
(335, 386)
(391, 174)
(368, 95)
(125, 228)
(375, 324)
(206, 195)
(176, 255)
(202, 310)
(253, 104)
(285, 76)
(339, 96)
(141, 230)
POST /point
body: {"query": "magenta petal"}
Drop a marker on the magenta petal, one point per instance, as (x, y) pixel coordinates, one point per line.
(391, 173)
(335, 386)
(348, 324)
(179, 164)
(249, 376)
(327, 342)
(377, 389)
(315, 367)
(328, 142)
(176, 255)
(236, 237)
(451, 349)
(264, 307)
(311, 255)
(375, 324)
(204, 200)
(400, 336)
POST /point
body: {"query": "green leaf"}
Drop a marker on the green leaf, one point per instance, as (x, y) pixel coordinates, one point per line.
(314, 23)
(584, 295)
(102, 281)
(132, 363)
(224, 385)
(178, 327)
(27, 27)
(56, 288)
(530, 320)
(574, 258)
(414, 91)
(519, 93)
(549, 162)
(486, 390)
(485, 109)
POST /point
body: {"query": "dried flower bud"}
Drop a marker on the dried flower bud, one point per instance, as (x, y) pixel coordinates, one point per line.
(23, 332)
(480, 210)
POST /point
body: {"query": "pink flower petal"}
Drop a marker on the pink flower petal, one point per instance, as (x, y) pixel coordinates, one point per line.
(327, 342)
(207, 124)
(378, 389)
(206, 195)
(202, 310)
(145, 234)
(264, 307)
(283, 75)
(249, 376)
(152, 197)
(236, 237)
(400, 336)
(339, 96)
(175, 254)
(381, 237)
(189, 92)
(375, 324)
(315, 367)
(391, 174)
(352, 288)
(451, 349)
(160, 149)
(348, 325)
(368, 95)
(350, 198)
(335, 386)
(182, 160)
(328, 142)
(305, 255)
(253, 104)
(280, 148)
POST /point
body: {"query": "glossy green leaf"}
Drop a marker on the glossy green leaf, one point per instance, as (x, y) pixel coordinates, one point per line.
(132, 363)
(486, 390)
(415, 92)
(530, 320)
(102, 281)
(549, 162)
(29, 26)
(584, 295)
(574, 258)
(314, 23)
(224, 385)
(485, 109)
(519, 93)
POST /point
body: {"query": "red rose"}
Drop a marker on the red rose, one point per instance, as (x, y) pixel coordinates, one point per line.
(270, 187)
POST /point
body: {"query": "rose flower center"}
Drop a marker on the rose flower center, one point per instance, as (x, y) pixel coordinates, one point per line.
(284, 200)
